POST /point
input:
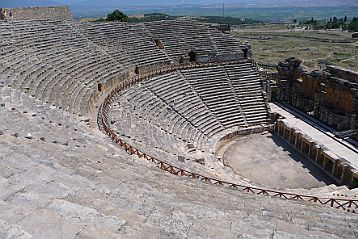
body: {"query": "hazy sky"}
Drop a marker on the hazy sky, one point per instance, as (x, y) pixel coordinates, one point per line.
(75, 4)
(279, 9)
(260, 3)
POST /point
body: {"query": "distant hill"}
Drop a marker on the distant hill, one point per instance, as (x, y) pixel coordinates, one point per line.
(263, 10)
(128, 3)
(242, 3)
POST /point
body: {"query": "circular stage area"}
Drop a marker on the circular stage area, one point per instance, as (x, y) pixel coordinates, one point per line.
(268, 160)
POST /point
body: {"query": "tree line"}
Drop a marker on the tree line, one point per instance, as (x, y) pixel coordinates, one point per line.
(120, 16)
(333, 23)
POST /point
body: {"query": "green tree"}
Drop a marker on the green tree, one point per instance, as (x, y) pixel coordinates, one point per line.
(117, 16)
(353, 25)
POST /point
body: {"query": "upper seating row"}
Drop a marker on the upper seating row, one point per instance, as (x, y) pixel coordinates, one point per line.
(53, 62)
(62, 62)
(180, 37)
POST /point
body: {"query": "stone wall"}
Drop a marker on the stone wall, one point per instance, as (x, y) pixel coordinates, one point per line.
(2, 16)
(36, 13)
(286, 72)
(337, 167)
(220, 57)
(338, 93)
(330, 95)
(346, 74)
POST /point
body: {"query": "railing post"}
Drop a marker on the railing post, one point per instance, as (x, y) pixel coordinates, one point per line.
(103, 120)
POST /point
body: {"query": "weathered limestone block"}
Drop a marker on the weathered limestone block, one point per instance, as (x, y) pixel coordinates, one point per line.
(340, 72)
(36, 13)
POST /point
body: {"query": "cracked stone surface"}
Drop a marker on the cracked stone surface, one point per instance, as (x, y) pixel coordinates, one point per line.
(102, 192)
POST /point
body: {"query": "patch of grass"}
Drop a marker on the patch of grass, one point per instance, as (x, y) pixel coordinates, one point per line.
(315, 48)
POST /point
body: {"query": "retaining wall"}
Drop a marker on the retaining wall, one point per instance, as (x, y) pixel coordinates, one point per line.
(36, 13)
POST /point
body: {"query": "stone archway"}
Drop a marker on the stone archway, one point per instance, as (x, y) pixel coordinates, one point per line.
(192, 56)
(246, 52)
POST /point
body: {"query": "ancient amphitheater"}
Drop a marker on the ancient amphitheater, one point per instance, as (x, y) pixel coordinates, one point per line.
(116, 130)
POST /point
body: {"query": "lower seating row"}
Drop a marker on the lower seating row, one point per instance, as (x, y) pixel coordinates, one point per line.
(43, 179)
(185, 112)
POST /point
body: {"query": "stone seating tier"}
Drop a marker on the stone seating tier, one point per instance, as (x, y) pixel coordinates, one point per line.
(53, 165)
(189, 107)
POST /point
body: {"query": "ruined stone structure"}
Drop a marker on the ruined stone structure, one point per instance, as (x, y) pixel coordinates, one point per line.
(166, 94)
(335, 165)
(343, 73)
(330, 95)
(36, 13)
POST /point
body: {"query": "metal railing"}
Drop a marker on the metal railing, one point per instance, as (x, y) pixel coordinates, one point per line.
(350, 205)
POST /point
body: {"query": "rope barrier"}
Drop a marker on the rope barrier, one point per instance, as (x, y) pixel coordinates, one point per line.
(350, 205)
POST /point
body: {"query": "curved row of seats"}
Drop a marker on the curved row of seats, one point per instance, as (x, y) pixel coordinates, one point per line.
(214, 89)
(247, 84)
(179, 94)
(62, 62)
(55, 63)
(53, 166)
(26, 118)
(150, 126)
(185, 112)
(129, 44)
(182, 36)
(166, 117)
